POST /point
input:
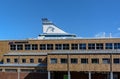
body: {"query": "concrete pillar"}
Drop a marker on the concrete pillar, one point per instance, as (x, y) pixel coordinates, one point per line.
(89, 75)
(48, 74)
(111, 75)
(18, 73)
(3, 70)
(69, 76)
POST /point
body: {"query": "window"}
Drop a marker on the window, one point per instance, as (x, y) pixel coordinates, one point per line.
(74, 60)
(19, 47)
(34, 47)
(63, 60)
(82, 46)
(39, 60)
(116, 61)
(8, 60)
(15, 60)
(116, 45)
(42, 46)
(65, 46)
(84, 60)
(74, 46)
(31, 60)
(108, 46)
(23, 60)
(58, 46)
(91, 46)
(106, 61)
(99, 46)
(12, 47)
(49, 46)
(53, 60)
(95, 61)
(27, 47)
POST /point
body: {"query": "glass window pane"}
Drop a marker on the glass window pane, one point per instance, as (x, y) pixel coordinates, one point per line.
(106, 61)
(42, 46)
(58, 46)
(84, 60)
(116, 45)
(27, 47)
(49, 46)
(82, 46)
(12, 47)
(65, 46)
(74, 46)
(99, 46)
(108, 46)
(63, 60)
(116, 60)
(95, 61)
(34, 47)
(91, 46)
(53, 60)
(74, 60)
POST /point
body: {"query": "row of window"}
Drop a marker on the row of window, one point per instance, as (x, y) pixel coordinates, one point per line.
(65, 46)
(85, 61)
(8, 60)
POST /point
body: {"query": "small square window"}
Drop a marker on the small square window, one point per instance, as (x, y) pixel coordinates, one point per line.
(8, 60)
(95, 61)
(106, 61)
(109, 46)
(23, 60)
(19, 47)
(74, 46)
(91, 46)
(84, 60)
(12, 47)
(63, 60)
(39, 60)
(65, 46)
(34, 47)
(58, 46)
(82, 46)
(99, 46)
(53, 60)
(15, 60)
(116, 61)
(49, 46)
(31, 60)
(74, 60)
(42, 46)
(27, 47)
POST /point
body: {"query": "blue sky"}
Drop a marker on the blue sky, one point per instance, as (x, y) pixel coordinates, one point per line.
(21, 19)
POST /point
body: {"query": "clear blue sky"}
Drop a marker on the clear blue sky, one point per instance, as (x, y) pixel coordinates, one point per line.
(21, 19)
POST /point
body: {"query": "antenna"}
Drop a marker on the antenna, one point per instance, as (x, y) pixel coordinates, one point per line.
(110, 35)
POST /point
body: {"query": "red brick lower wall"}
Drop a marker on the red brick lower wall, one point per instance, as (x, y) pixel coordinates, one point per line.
(14, 75)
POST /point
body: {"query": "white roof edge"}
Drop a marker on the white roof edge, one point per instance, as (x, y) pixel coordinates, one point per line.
(23, 54)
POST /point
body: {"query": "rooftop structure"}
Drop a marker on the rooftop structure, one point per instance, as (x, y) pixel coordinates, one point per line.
(51, 31)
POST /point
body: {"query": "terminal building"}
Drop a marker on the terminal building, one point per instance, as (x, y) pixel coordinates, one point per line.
(56, 54)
